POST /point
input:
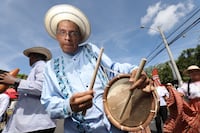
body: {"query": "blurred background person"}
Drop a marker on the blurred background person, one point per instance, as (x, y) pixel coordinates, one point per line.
(162, 113)
(4, 102)
(29, 115)
(191, 89)
(185, 114)
(163, 94)
(169, 86)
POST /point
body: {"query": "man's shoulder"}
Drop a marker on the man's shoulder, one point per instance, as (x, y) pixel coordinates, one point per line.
(89, 45)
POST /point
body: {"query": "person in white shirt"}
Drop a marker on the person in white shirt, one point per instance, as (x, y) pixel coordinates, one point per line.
(29, 115)
(4, 102)
(185, 114)
(66, 92)
(191, 89)
(162, 113)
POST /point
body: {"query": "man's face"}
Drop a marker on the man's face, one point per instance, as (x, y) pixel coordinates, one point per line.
(168, 86)
(194, 75)
(32, 59)
(68, 36)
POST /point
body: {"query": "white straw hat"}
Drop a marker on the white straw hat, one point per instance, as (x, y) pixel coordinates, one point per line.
(39, 50)
(190, 68)
(66, 12)
(169, 84)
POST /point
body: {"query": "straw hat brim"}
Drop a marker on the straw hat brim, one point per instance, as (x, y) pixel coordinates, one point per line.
(39, 50)
(191, 68)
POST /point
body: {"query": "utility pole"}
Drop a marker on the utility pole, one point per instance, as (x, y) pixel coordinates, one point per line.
(174, 66)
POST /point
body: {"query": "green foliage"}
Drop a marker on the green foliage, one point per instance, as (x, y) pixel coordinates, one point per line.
(188, 57)
(22, 76)
(165, 73)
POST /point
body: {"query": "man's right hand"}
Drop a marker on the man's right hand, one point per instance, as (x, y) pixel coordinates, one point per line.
(81, 101)
(7, 78)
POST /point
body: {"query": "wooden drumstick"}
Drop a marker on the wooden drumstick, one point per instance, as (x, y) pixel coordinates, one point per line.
(139, 71)
(96, 69)
(95, 73)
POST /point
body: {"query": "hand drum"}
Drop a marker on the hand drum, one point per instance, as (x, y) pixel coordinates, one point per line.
(140, 110)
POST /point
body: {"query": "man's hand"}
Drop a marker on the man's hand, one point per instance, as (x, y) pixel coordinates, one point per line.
(81, 101)
(7, 78)
(141, 83)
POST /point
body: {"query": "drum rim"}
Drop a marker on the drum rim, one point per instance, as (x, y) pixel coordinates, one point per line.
(149, 118)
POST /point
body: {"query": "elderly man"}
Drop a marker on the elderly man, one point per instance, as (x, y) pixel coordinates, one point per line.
(29, 115)
(66, 91)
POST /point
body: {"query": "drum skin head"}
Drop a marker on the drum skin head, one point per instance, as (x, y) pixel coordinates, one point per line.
(14, 73)
(140, 109)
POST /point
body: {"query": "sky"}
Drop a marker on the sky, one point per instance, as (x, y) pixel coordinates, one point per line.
(115, 26)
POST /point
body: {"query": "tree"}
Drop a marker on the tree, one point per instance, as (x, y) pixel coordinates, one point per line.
(188, 57)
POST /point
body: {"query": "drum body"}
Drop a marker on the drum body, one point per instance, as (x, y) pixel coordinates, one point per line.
(140, 110)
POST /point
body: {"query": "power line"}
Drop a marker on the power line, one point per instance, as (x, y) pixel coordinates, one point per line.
(178, 36)
(186, 30)
(194, 12)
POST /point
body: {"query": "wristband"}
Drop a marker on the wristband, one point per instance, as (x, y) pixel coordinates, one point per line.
(16, 84)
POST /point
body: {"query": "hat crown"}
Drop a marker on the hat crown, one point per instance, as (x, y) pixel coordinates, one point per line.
(40, 50)
(193, 67)
(190, 68)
